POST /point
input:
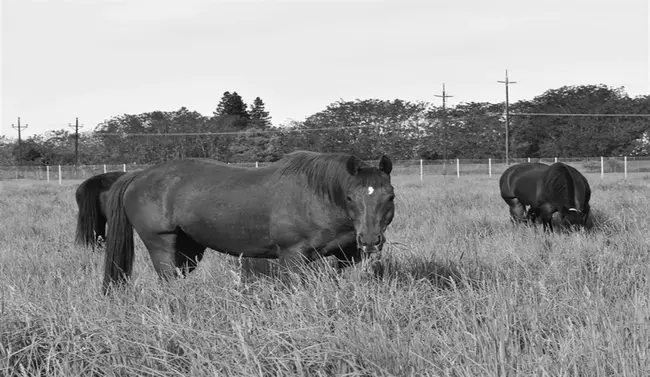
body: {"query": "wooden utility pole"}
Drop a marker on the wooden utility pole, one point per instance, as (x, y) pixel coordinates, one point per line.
(444, 97)
(20, 141)
(507, 115)
(76, 141)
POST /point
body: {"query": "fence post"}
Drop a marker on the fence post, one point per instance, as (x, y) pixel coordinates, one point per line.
(421, 171)
(458, 168)
(555, 159)
(59, 174)
(528, 159)
(602, 167)
(490, 167)
(124, 167)
(48, 173)
(257, 165)
(104, 168)
(625, 166)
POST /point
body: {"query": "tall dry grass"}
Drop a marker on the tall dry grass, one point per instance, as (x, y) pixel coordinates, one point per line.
(466, 294)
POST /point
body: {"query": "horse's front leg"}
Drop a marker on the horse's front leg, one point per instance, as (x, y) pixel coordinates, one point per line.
(292, 261)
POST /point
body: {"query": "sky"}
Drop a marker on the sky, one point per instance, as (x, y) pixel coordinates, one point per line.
(95, 59)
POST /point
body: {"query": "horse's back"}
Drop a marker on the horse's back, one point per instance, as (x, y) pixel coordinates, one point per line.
(196, 174)
(520, 181)
(188, 194)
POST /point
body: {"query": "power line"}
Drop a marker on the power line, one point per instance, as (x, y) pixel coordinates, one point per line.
(583, 115)
(20, 142)
(506, 82)
(99, 133)
(234, 132)
(76, 141)
(444, 97)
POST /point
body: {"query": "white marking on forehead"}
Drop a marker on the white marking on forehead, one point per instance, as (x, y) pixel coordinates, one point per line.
(370, 190)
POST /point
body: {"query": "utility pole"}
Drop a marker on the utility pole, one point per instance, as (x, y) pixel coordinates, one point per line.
(507, 115)
(76, 141)
(444, 97)
(20, 141)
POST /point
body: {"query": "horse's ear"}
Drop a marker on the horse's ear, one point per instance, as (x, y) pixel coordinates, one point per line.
(352, 165)
(385, 164)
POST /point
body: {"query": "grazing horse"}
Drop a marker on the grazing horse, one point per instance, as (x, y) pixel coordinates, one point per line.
(565, 190)
(519, 188)
(91, 200)
(304, 206)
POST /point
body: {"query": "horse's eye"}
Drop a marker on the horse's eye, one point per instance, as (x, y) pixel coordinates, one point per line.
(349, 199)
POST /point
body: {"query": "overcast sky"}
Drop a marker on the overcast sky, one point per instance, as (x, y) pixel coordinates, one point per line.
(95, 59)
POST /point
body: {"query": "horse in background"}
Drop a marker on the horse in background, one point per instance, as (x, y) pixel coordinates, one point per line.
(91, 200)
(518, 185)
(562, 189)
(305, 206)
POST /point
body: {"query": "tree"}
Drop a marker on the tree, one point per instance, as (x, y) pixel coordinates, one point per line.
(576, 136)
(474, 130)
(258, 114)
(221, 106)
(6, 148)
(368, 128)
(232, 104)
(232, 109)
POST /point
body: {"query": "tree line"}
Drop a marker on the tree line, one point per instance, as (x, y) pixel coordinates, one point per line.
(237, 132)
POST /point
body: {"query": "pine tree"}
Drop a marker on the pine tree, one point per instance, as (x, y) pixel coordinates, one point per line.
(221, 107)
(259, 115)
(232, 110)
(232, 104)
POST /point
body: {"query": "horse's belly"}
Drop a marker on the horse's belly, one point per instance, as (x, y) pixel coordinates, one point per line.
(233, 237)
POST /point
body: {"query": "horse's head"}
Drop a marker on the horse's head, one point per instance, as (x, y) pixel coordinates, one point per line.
(574, 216)
(370, 202)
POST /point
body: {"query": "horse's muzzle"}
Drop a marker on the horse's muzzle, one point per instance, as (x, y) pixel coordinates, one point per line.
(372, 244)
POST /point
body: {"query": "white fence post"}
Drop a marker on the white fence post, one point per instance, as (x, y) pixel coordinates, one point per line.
(421, 171)
(124, 167)
(257, 165)
(104, 168)
(528, 159)
(490, 167)
(48, 173)
(625, 166)
(458, 168)
(555, 159)
(59, 174)
(602, 167)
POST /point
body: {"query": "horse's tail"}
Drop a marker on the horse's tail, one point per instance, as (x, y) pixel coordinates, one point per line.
(87, 196)
(118, 264)
(570, 188)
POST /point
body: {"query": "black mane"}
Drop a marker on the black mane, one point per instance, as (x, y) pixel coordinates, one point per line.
(327, 174)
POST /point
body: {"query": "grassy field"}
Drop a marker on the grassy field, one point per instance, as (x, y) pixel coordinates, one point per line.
(519, 302)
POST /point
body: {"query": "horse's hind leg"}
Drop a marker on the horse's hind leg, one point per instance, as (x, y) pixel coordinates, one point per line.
(188, 253)
(100, 229)
(533, 214)
(546, 213)
(172, 254)
(517, 210)
(162, 250)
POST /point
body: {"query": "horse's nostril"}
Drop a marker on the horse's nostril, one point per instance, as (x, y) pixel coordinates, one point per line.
(379, 239)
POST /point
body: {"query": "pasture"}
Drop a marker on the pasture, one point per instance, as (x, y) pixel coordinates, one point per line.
(466, 293)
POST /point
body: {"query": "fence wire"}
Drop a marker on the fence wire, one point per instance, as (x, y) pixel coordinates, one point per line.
(604, 165)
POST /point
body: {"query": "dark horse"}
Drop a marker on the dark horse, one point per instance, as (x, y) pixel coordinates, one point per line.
(91, 200)
(304, 206)
(565, 190)
(519, 188)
